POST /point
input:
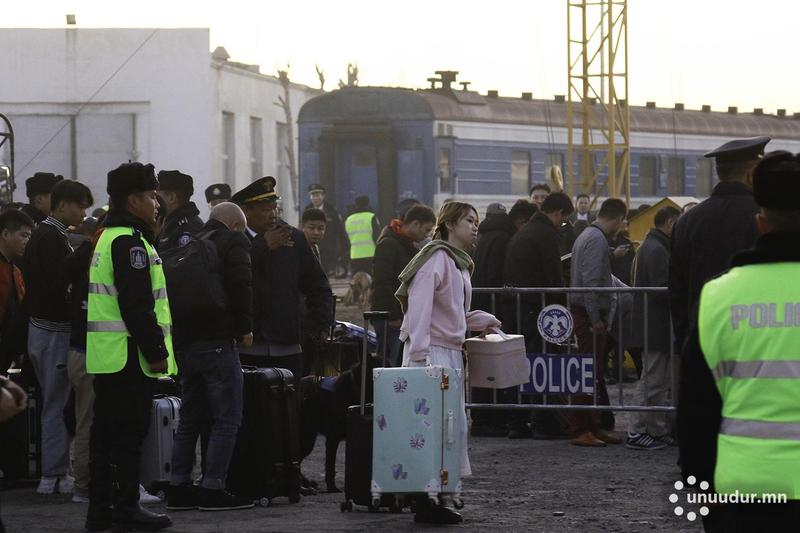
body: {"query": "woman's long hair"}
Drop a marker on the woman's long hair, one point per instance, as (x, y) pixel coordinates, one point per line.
(451, 212)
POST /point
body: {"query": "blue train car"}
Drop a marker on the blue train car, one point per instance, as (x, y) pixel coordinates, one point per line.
(395, 143)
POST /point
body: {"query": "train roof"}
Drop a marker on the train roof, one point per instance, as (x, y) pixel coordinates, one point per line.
(351, 104)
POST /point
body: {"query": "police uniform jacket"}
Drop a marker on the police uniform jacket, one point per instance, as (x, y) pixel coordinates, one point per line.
(704, 241)
(184, 219)
(280, 279)
(699, 402)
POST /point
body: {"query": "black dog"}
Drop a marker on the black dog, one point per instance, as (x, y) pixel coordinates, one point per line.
(324, 411)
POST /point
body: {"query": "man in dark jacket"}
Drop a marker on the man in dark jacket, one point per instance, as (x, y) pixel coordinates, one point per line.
(175, 189)
(284, 270)
(648, 431)
(710, 234)
(49, 267)
(395, 249)
(494, 234)
(334, 245)
(582, 216)
(210, 374)
(38, 188)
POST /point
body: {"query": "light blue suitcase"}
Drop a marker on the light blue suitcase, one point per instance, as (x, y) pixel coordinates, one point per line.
(416, 444)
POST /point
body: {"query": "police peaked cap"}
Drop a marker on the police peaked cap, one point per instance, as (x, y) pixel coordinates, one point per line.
(218, 191)
(130, 178)
(316, 187)
(261, 190)
(41, 183)
(739, 150)
(175, 180)
(776, 181)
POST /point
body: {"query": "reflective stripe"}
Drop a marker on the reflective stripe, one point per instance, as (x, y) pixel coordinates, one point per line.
(160, 293)
(757, 369)
(155, 259)
(166, 329)
(758, 429)
(100, 288)
(107, 326)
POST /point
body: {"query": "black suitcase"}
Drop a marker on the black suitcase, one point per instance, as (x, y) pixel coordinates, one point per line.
(266, 459)
(20, 438)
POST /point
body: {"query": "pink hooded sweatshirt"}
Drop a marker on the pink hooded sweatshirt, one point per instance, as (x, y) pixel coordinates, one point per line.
(438, 299)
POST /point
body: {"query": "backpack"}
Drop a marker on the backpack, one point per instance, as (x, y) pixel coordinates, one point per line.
(194, 278)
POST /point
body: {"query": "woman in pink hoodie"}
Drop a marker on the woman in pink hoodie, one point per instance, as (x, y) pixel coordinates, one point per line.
(435, 294)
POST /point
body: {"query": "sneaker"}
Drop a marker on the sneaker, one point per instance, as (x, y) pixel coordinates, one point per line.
(643, 441)
(219, 500)
(667, 439)
(78, 497)
(437, 515)
(47, 485)
(66, 485)
(146, 498)
(185, 497)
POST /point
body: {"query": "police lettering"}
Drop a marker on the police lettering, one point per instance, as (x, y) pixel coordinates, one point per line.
(766, 315)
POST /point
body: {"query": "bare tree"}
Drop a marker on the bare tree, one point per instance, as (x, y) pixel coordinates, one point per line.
(283, 102)
(352, 76)
(321, 76)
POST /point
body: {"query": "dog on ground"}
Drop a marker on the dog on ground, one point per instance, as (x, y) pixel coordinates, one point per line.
(324, 412)
(360, 291)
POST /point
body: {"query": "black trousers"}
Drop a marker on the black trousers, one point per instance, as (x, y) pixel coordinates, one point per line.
(122, 406)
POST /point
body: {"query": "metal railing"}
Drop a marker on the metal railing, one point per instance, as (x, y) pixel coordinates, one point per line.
(599, 366)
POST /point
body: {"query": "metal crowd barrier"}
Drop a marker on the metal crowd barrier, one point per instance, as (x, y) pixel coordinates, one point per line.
(599, 360)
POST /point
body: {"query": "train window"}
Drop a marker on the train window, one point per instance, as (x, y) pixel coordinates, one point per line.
(520, 172)
(552, 159)
(703, 177)
(445, 182)
(676, 171)
(648, 173)
(228, 148)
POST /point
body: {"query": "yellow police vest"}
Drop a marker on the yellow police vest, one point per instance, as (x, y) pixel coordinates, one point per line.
(359, 230)
(749, 326)
(107, 336)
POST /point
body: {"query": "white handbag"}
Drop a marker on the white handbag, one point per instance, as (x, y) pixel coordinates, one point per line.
(497, 361)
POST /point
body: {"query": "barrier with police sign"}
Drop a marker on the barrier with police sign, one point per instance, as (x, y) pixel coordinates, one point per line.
(560, 374)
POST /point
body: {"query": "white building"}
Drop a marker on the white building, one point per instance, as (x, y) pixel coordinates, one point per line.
(82, 101)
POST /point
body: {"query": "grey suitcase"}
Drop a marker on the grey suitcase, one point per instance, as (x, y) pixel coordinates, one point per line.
(156, 464)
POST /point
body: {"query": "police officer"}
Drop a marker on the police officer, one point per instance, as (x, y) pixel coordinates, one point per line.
(707, 237)
(216, 193)
(363, 230)
(175, 189)
(334, 244)
(738, 421)
(37, 189)
(128, 344)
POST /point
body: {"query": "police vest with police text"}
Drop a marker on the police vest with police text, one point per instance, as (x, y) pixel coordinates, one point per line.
(107, 335)
(749, 328)
(359, 230)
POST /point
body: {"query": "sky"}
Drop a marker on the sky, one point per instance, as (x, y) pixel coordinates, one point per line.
(718, 52)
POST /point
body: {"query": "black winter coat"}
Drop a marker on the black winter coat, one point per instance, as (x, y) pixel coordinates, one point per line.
(233, 250)
(494, 234)
(533, 259)
(280, 278)
(704, 241)
(335, 244)
(652, 270)
(185, 219)
(392, 254)
(699, 402)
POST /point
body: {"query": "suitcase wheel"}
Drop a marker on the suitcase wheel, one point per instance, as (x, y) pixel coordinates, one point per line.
(264, 502)
(397, 505)
(346, 506)
(375, 505)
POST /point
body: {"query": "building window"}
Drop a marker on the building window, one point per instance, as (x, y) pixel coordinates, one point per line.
(228, 148)
(676, 171)
(445, 176)
(552, 159)
(281, 157)
(256, 148)
(648, 173)
(703, 177)
(520, 172)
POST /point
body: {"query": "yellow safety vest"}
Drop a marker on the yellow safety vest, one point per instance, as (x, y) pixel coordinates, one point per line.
(749, 328)
(107, 335)
(359, 230)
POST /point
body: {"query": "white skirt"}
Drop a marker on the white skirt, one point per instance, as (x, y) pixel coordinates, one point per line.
(448, 358)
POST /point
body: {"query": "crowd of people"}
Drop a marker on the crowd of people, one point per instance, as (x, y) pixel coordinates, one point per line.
(84, 302)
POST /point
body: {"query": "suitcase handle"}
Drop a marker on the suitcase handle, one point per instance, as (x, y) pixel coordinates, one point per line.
(450, 429)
